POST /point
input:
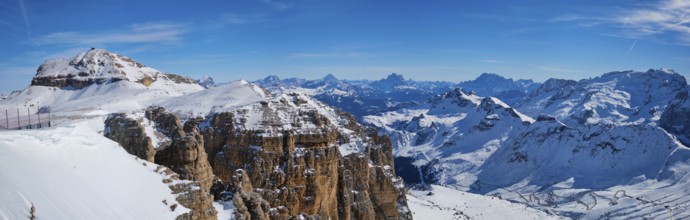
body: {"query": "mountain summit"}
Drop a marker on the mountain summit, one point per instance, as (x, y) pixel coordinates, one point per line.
(98, 66)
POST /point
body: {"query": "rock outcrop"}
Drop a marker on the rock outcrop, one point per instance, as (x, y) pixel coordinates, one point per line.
(302, 159)
(158, 136)
(285, 157)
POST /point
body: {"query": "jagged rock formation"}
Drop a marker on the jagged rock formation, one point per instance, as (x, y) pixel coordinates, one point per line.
(158, 136)
(288, 156)
(98, 66)
(189, 194)
(289, 162)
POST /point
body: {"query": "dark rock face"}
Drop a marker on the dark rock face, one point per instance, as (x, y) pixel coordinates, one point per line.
(183, 153)
(676, 117)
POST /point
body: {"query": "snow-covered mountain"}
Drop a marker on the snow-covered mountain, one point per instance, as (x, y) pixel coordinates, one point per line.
(450, 136)
(561, 162)
(98, 80)
(290, 144)
(206, 82)
(360, 97)
(509, 90)
(613, 98)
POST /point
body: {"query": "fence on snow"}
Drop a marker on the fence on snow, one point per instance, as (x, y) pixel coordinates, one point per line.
(25, 118)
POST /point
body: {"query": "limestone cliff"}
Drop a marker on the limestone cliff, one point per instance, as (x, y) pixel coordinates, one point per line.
(301, 158)
(158, 136)
(284, 157)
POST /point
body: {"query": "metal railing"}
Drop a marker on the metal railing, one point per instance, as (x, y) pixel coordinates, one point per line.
(25, 118)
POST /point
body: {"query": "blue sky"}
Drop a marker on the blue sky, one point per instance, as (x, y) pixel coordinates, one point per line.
(354, 39)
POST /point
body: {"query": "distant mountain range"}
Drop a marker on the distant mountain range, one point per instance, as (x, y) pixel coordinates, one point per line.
(368, 97)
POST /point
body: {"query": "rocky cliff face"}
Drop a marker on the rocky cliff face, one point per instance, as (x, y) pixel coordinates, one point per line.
(287, 156)
(300, 158)
(676, 117)
(158, 136)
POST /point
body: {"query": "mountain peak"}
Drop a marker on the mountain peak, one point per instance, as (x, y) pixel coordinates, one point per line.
(206, 82)
(272, 78)
(390, 82)
(395, 77)
(93, 66)
(490, 76)
(330, 78)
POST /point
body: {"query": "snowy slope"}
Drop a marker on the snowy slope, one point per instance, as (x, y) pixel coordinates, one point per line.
(216, 99)
(442, 203)
(112, 97)
(595, 156)
(73, 172)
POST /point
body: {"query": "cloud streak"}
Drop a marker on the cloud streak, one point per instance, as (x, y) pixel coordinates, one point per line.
(491, 61)
(160, 33)
(669, 18)
(631, 47)
(27, 23)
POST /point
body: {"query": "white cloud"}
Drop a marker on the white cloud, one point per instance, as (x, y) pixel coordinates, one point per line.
(669, 17)
(276, 4)
(136, 33)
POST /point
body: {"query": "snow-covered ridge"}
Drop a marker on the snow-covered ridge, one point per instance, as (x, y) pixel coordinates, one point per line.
(614, 98)
(98, 82)
(216, 99)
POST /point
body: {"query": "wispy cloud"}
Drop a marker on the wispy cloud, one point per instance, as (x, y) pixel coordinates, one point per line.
(25, 16)
(631, 47)
(232, 18)
(160, 33)
(15, 21)
(491, 61)
(275, 4)
(664, 18)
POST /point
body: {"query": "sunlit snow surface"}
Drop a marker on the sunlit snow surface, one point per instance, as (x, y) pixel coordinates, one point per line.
(74, 172)
(446, 203)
